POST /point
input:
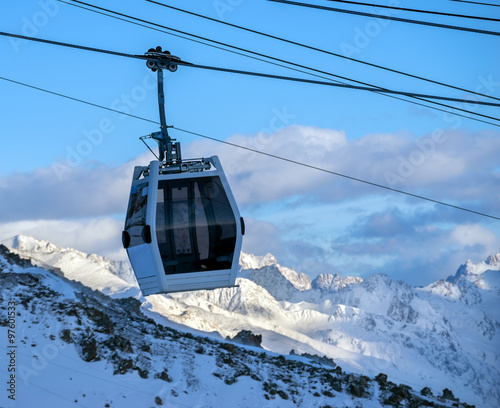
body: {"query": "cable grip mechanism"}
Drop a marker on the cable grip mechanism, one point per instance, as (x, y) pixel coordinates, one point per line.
(157, 61)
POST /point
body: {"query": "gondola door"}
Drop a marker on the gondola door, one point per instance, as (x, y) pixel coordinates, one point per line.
(195, 225)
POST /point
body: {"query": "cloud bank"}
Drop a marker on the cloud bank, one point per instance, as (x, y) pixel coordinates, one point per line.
(311, 220)
(448, 164)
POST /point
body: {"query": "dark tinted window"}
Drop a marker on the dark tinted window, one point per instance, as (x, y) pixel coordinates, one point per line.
(136, 214)
(195, 225)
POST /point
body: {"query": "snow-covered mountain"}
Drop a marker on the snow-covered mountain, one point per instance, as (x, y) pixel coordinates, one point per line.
(443, 336)
(110, 277)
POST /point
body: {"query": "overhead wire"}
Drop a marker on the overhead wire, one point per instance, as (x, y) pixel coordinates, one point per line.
(477, 2)
(72, 403)
(338, 174)
(342, 85)
(264, 75)
(96, 374)
(439, 13)
(220, 44)
(223, 44)
(318, 49)
(381, 16)
(296, 162)
(74, 99)
(154, 26)
(151, 26)
(377, 90)
(69, 45)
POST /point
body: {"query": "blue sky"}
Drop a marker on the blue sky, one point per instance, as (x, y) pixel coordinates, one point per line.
(65, 167)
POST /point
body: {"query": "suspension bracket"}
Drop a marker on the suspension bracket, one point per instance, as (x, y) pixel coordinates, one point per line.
(157, 61)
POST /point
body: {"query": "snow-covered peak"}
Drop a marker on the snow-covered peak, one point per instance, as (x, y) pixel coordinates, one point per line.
(379, 295)
(333, 283)
(494, 260)
(445, 289)
(472, 284)
(280, 281)
(97, 272)
(27, 243)
(300, 281)
(249, 261)
(479, 274)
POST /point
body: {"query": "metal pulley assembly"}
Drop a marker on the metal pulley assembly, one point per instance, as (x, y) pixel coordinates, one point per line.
(161, 60)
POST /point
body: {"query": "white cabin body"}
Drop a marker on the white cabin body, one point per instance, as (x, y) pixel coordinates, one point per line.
(183, 229)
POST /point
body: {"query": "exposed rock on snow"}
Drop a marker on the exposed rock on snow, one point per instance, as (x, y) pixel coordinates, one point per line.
(333, 283)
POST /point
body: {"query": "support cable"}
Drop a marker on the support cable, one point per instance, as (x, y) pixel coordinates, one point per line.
(477, 2)
(337, 174)
(267, 154)
(154, 26)
(258, 74)
(149, 148)
(438, 13)
(75, 99)
(318, 49)
(342, 85)
(404, 20)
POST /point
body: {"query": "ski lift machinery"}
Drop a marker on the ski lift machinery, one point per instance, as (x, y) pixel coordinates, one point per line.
(183, 229)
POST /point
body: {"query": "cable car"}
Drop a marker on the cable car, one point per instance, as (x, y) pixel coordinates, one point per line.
(183, 230)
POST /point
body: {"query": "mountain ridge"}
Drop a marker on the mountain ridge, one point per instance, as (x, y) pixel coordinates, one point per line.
(416, 335)
(89, 350)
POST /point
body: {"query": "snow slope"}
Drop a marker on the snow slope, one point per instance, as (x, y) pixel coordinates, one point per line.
(76, 347)
(441, 336)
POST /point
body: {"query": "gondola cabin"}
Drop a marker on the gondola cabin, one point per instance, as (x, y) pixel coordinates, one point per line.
(183, 230)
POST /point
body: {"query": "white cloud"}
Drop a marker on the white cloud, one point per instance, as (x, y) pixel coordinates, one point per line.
(256, 178)
(302, 216)
(474, 235)
(443, 165)
(86, 190)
